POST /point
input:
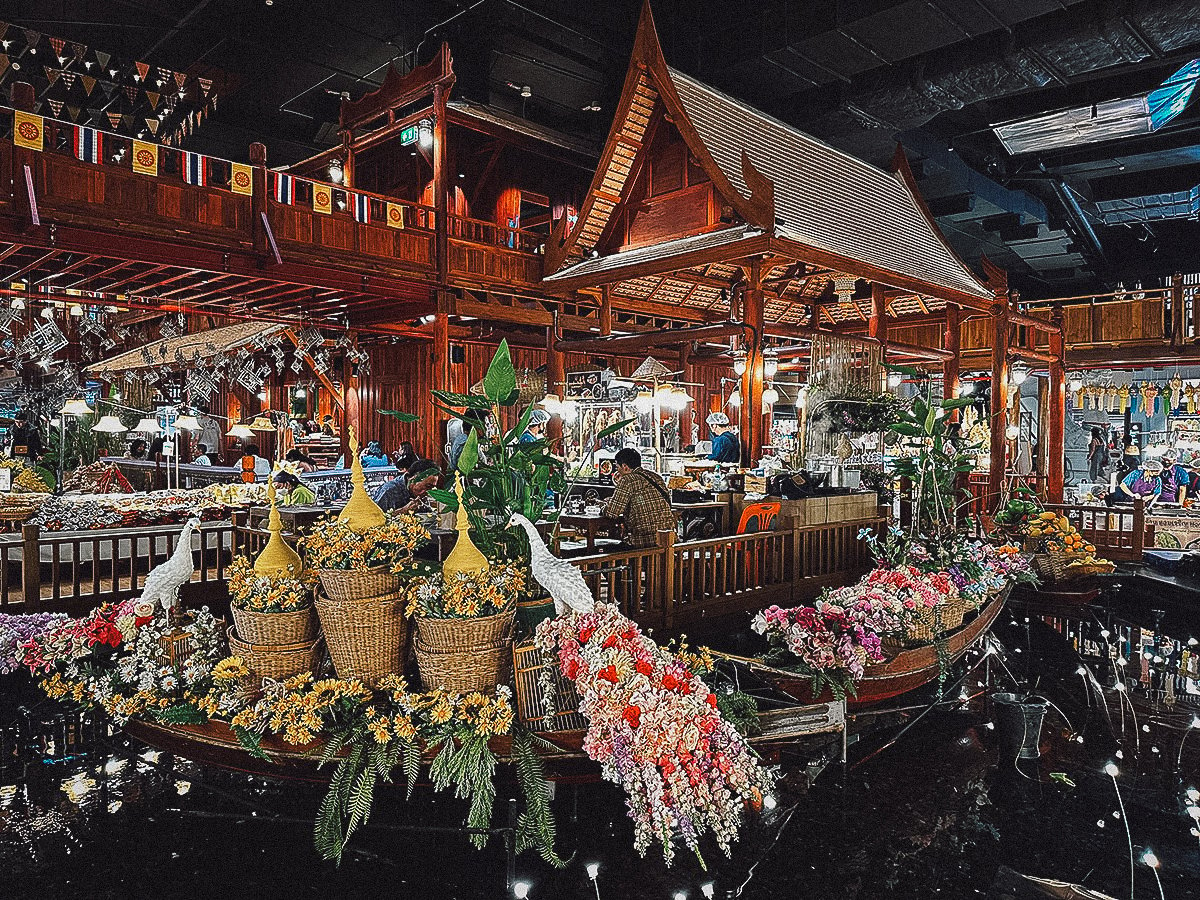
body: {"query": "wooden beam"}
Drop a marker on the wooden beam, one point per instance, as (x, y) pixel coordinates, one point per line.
(657, 338)
(877, 326)
(952, 340)
(606, 317)
(1056, 437)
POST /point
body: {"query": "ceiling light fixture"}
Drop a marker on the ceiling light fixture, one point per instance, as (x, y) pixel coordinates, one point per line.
(526, 91)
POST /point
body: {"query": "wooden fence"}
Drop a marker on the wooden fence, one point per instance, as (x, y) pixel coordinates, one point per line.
(1118, 532)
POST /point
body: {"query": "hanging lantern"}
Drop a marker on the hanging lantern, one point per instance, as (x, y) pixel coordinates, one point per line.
(188, 423)
(77, 407)
(843, 286)
(148, 426)
(1018, 372)
(109, 425)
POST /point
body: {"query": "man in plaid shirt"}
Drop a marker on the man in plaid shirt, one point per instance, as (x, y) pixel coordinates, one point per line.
(640, 502)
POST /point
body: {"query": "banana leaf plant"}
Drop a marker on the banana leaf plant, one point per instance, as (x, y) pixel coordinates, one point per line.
(935, 468)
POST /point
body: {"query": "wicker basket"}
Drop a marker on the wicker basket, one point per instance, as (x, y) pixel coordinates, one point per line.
(446, 635)
(277, 661)
(367, 638)
(359, 584)
(1059, 560)
(478, 669)
(272, 629)
(465, 654)
(952, 612)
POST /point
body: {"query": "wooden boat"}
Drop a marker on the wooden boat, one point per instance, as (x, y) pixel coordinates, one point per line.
(214, 743)
(1080, 592)
(906, 671)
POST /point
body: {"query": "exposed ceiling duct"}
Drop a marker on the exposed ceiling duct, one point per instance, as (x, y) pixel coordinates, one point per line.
(1151, 208)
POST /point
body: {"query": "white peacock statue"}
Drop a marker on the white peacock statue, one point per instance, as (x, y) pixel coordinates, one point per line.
(163, 582)
(562, 580)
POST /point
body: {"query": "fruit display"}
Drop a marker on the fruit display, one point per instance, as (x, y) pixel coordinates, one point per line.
(29, 480)
(87, 512)
(97, 478)
(1056, 532)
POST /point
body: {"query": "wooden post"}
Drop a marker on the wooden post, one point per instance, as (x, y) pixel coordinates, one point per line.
(258, 197)
(439, 182)
(999, 410)
(1138, 538)
(31, 569)
(952, 341)
(556, 377)
(441, 370)
(687, 416)
(1177, 310)
(752, 380)
(606, 309)
(877, 323)
(1057, 410)
(666, 580)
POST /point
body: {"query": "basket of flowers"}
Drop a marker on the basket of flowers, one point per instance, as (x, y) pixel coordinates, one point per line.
(464, 626)
(358, 564)
(271, 609)
(367, 638)
(277, 661)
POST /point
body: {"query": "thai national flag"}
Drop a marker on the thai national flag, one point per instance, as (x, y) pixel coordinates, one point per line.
(284, 188)
(88, 145)
(193, 169)
(362, 208)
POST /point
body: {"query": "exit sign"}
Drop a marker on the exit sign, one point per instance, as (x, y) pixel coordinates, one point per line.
(408, 135)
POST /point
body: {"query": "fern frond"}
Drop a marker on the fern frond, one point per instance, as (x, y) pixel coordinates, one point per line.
(250, 741)
(412, 765)
(182, 714)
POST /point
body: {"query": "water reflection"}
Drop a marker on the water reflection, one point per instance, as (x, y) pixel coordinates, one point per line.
(928, 807)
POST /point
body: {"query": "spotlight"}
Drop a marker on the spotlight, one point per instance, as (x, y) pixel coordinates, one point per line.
(520, 889)
(1150, 859)
(526, 91)
(769, 802)
(708, 890)
(593, 870)
(1111, 770)
(17, 303)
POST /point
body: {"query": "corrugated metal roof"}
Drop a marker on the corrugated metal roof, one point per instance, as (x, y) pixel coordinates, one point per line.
(664, 251)
(166, 352)
(825, 198)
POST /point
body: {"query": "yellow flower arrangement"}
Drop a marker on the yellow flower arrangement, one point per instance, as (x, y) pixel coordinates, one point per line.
(465, 595)
(333, 545)
(268, 593)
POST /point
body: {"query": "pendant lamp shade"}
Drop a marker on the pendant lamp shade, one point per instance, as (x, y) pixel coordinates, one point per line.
(240, 431)
(262, 423)
(147, 425)
(188, 423)
(109, 425)
(76, 407)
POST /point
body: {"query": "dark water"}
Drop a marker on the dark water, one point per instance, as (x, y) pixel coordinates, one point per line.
(928, 807)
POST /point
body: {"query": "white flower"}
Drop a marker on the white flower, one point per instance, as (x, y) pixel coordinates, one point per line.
(759, 624)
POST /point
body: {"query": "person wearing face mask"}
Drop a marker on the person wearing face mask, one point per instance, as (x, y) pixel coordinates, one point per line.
(725, 448)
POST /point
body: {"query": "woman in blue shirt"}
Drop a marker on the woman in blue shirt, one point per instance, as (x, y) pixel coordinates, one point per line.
(725, 446)
(1145, 482)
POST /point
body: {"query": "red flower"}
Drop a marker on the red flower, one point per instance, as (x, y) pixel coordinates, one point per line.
(670, 682)
(667, 766)
(644, 668)
(610, 641)
(585, 634)
(571, 669)
(632, 715)
(609, 673)
(629, 633)
(711, 700)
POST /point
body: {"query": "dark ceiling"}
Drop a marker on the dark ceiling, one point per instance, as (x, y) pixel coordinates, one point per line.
(935, 74)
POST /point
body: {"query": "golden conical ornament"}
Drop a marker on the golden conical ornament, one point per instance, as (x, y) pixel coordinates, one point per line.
(277, 558)
(361, 513)
(465, 557)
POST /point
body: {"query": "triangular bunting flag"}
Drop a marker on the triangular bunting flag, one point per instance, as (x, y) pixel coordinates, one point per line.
(3, 29)
(143, 69)
(51, 74)
(80, 51)
(115, 120)
(103, 58)
(205, 85)
(164, 74)
(108, 88)
(131, 91)
(32, 38)
(128, 120)
(72, 113)
(89, 83)
(4, 63)
(153, 98)
(57, 44)
(152, 123)
(68, 78)
(56, 105)
(180, 79)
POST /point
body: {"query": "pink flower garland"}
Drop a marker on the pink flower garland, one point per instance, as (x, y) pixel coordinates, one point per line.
(655, 729)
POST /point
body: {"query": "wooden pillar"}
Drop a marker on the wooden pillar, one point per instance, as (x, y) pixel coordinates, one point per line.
(23, 98)
(1056, 430)
(751, 417)
(347, 159)
(258, 198)
(999, 409)
(687, 416)
(1177, 336)
(556, 377)
(877, 323)
(606, 309)
(439, 181)
(952, 341)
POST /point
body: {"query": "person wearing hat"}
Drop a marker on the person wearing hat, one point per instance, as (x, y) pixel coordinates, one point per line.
(536, 429)
(295, 492)
(26, 439)
(1145, 482)
(1175, 479)
(403, 493)
(725, 447)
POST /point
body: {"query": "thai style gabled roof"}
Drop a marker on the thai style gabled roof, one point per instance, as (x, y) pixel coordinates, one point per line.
(183, 350)
(814, 202)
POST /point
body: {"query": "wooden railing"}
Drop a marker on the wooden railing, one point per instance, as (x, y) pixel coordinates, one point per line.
(1118, 532)
(75, 571)
(982, 504)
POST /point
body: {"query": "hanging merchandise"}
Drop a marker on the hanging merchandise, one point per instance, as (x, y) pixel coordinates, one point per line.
(1176, 391)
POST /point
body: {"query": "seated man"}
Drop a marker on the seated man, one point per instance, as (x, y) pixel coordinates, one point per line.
(641, 502)
(404, 493)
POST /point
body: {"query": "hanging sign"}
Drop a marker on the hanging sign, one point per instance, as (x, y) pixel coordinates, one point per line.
(28, 130)
(145, 158)
(240, 180)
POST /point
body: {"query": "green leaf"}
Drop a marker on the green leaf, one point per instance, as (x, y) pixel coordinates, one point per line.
(449, 498)
(182, 714)
(903, 370)
(500, 382)
(613, 428)
(519, 428)
(907, 429)
(402, 416)
(957, 402)
(250, 742)
(469, 454)
(470, 401)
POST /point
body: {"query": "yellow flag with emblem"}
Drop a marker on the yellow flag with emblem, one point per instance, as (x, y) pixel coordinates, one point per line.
(145, 158)
(29, 131)
(395, 215)
(322, 198)
(240, 179)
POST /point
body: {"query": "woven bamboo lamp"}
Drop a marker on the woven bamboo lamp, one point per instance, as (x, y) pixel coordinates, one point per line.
(361, 513)
(277, 557)
(465, 558)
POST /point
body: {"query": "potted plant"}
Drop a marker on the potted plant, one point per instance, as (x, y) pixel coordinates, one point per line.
(271, 608)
